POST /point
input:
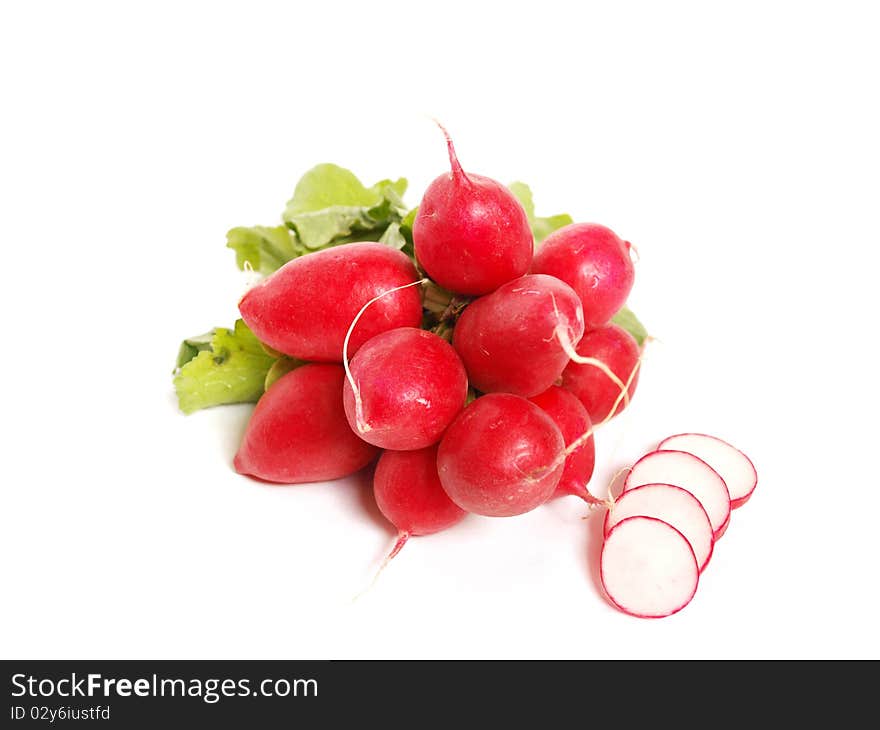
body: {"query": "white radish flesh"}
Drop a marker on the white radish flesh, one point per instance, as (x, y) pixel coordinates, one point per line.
(688, 472)
(732, 464)
(673, 505)
(648, 568)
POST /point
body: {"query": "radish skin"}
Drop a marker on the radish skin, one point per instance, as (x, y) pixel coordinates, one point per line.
(573, 421)
(733, 465)
(595, 262)
(648, 568)
(410, 383)
(600, 394)
(409, 494)
(471, 234)
(298, 431)
(502, 456)
(685, 470)
(672, 504)
(305, 308)
(509, 340)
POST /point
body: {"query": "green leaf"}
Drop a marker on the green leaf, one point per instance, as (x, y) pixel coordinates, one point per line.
(330, 206)
(523, 193)
(406, 225)
(281, 366)
(541, 227)
(393, 237)
(330, 203)
(393, 191)
(271, 351)
(265, 249)
(191, 347)
(231, 368)
(406, 230)
(626, 319)
(328, 185)
(317, 230)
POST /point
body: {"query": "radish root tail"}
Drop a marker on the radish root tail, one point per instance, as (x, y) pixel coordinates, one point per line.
(588, 497)
(562, 334)
(251, 276)
(634, 255)
(584, 437)
(362, 425)
(402, 537)
(611, 498)
(624, 393)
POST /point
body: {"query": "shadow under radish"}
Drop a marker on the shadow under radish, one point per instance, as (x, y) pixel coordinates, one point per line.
(593, 551)
(363, 482)
(235, 421)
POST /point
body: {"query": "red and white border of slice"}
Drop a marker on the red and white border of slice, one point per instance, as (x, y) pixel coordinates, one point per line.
(683, 469)
(648, 568)
(733, 465)
(672, 504)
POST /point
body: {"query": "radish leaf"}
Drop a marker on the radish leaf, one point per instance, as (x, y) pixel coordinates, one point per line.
(265, 249)
(626, 319)
(281, 366)
(541, 227)
(330, 202)
(227, 366)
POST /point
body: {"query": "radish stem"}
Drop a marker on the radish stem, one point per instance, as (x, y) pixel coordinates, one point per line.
(458, 172)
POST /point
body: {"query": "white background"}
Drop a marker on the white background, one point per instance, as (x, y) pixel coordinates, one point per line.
(735, 144)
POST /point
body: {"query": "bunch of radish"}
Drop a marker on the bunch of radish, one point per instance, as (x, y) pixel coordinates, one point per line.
(661, 531)
(491, 411)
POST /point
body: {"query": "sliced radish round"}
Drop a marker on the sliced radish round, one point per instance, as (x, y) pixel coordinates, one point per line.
(688, 472)
(672, 504)
(735, 468)
(648, 568)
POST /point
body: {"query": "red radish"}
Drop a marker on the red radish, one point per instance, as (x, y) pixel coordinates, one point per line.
(599, 388)
(305, 308)
(688, 472)
(471, 235)
(298, 432)
(648, 568)
(674, 505)
(573, 421)
(732, 464)
(408, 492)
(410, 385)
(594, 262)
(509, 340)
(502, 456)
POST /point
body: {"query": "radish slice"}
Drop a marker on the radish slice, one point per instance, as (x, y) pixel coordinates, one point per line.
(688, 472)
(735, 468)
(674, 505)
(648, 568)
